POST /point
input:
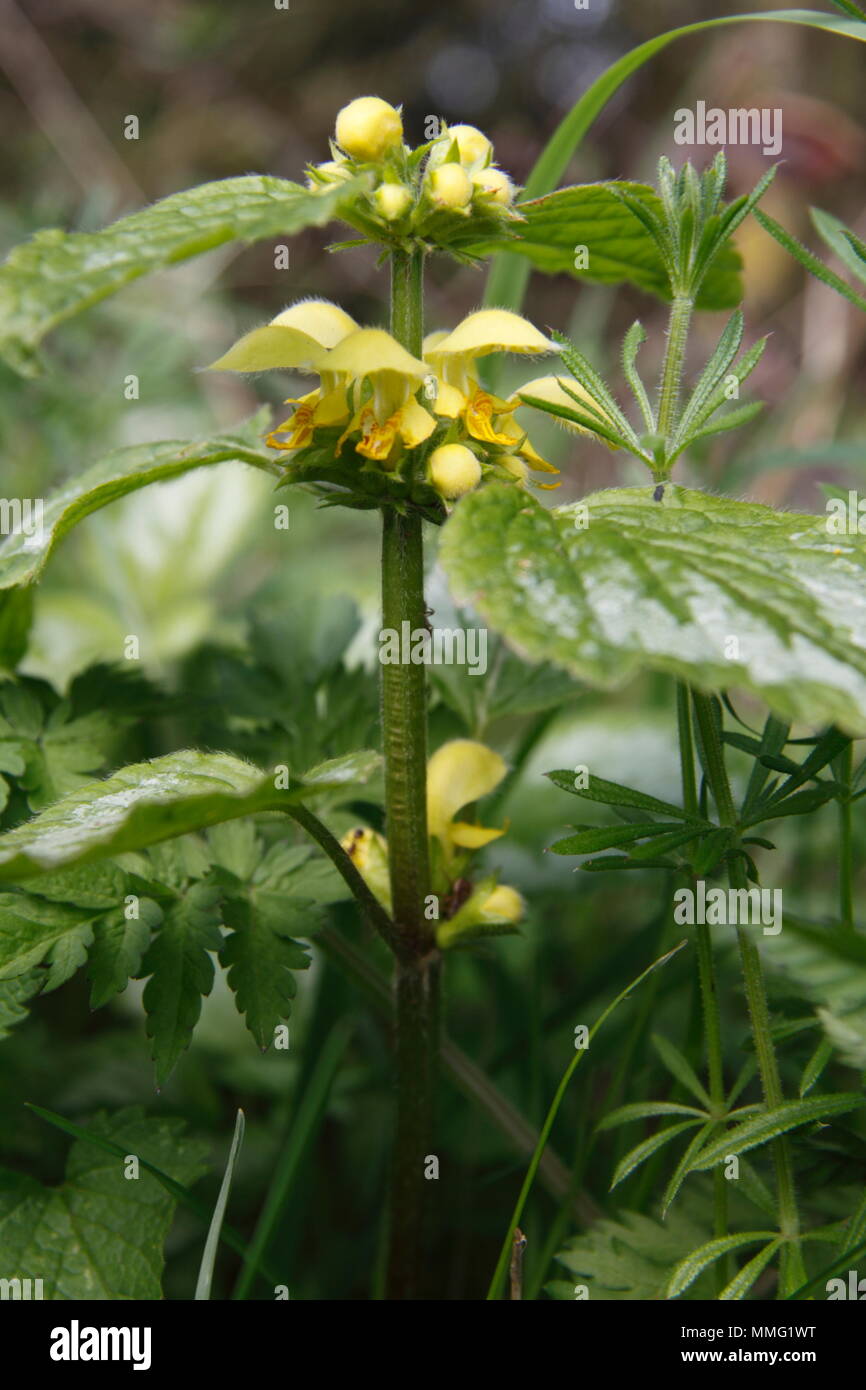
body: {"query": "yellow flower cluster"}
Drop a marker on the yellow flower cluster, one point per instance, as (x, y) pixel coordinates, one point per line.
(455, 173)
(369, 386)
(458, 774)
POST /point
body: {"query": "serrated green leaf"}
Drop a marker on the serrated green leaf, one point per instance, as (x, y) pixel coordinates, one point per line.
(631, 1258)
(56, 274)
(618, 243)
(23, 557)
(119, 943)
(663, 585)
(98, 1235)
(509, 275)
(769, 1124)
(31, 929)
(15, 996)
(261, 956)
(148, 802)
(180, 965)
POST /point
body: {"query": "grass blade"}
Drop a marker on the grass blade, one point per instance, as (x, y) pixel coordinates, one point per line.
(208, 1259)
(516, 1215)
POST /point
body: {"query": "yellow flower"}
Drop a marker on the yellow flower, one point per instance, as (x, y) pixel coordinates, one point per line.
(458, 773)
(454, 470)
(296, 340)
(368, 851)
(485, 417)
(368, 128)
(492, 910)
(391, 412)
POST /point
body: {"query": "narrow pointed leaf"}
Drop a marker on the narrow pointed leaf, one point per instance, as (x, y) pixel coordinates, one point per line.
(760, 1129)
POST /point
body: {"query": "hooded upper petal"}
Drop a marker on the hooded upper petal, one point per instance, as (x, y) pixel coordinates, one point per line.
(293, 340)
(459, 772)
(492, 330)
(370, 351)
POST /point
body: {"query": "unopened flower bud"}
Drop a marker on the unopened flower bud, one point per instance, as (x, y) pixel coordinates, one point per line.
(392, 200)
(451, 186)
(368, 127)
(471, 142)
(495, 183)
(454, 470)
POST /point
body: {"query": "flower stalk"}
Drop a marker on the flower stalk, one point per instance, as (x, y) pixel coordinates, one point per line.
(404, 738)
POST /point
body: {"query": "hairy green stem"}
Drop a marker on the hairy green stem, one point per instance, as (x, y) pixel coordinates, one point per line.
(792, 1271)
(360, 890)
(404, 739)
(706, 979)
(672, 371)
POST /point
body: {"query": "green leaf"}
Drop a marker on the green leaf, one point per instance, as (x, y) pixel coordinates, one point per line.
(56, 274)
(741, 1283)
(208, 1259)
(119, 944)
(23, 557)
(706, 1255)
(827, 965)
(613, 794)
(15, 996)
(148, 802)
(810, 262)
(16, 617)
(843, 242)
(680, 1068)
(618, 244)
(261, 956)
(643, 1110)
(181, 970)
(631, 1258)
(641, 1152)
(31, 930)
(509, 275)
(98, 1235)
(589, 839)
(769, 1124)
(663, 585)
